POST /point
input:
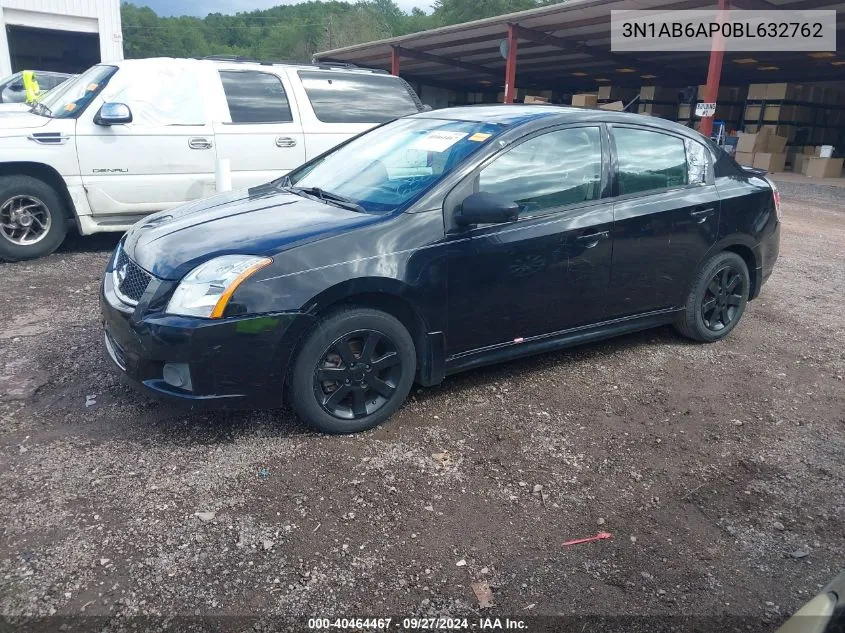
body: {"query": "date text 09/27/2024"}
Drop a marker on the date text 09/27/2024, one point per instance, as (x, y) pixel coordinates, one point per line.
(417, 624)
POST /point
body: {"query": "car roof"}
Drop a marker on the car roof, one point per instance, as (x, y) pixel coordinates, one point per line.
(246, 64)
(511, 115)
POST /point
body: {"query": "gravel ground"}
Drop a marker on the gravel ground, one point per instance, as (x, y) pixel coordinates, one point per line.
(717, 468)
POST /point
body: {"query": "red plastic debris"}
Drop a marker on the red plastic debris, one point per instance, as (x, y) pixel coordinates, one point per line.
(598, 537)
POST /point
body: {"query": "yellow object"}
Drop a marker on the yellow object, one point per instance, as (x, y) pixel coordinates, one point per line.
(30, 86)
(220, 306)
(479, 136)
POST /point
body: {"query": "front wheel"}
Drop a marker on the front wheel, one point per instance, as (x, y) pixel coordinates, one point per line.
(353, 371)
(32, 218)
(717, 299)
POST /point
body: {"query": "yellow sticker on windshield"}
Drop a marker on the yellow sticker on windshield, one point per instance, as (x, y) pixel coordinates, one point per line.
(479, 136)
(92, 87)
(70, 107)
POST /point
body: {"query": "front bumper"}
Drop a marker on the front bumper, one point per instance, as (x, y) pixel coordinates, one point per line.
(234, 363)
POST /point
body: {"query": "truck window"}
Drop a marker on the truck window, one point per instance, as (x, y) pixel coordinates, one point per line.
(255, 97)
(357, 97)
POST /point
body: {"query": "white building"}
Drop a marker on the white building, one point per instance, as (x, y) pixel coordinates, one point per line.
(61, 35)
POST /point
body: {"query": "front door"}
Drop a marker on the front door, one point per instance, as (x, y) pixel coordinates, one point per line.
(264, 139)
(164, 157)
(666, 218)
(549, 270)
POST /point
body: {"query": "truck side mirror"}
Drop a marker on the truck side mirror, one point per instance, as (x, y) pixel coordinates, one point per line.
(113, 114)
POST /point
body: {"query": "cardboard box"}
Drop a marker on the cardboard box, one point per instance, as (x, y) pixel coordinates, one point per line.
(617, 93)
(769, 161)
(752, 142)
(780, 91)
(657, 109)
(616, 106)
(799, 163)
(745, 158)
(659, 93)
(588, 100)
(823, 167)
(534, 99)
(683, 112)
(775, 144)
(779, 113)
(752, 113)
(756, 91)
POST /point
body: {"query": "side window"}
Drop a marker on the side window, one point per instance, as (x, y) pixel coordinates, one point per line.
(549, 171)
(649, 160)
(697, 161)
(255, 97)
(357, 97)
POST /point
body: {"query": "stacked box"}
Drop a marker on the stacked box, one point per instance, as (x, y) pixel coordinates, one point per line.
(763, 149)
(823, 167)
(587, 100)
(616, 93)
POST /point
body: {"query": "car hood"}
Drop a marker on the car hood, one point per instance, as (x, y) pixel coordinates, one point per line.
(11, 120)
(259, 221)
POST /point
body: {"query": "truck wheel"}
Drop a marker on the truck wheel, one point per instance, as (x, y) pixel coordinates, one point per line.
(33, 218)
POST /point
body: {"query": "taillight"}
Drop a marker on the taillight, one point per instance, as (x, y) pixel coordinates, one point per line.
(776, 195)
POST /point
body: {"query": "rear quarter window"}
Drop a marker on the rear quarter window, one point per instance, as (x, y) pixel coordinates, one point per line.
(357, 97)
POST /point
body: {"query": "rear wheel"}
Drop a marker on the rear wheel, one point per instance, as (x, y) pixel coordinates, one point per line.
(33, 219)
(717, 299)
(354, 371)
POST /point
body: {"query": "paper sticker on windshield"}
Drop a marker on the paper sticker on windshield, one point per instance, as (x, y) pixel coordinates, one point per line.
(437, 141)
(479, 137)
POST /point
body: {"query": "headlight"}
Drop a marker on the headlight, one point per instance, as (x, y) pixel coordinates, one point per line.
(205, 291)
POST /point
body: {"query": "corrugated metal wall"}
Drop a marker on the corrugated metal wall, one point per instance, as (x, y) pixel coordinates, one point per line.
(102, 16)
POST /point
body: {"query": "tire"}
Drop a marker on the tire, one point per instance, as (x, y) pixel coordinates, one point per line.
(353, 371)
(717, 299)
(33, 218)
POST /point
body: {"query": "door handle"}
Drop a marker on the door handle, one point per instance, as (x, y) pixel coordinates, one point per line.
(199, 143)
(702, 214)
(285, 141)
(593, 238)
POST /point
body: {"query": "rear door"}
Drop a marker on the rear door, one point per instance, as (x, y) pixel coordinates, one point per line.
(262, 137)
(338, 104)
(666, 212)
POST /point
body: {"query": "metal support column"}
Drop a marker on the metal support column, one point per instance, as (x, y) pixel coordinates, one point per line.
(714, 71)
(394, 61)
(510, 68)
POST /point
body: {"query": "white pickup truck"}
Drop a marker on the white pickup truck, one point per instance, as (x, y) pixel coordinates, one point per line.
(125, 139)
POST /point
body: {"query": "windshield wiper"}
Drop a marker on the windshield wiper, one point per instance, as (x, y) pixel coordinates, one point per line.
(42, 110)
(328, 196)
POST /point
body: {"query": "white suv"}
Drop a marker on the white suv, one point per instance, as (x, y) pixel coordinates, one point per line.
(125, 139)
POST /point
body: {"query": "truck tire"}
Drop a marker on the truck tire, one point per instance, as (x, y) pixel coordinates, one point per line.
(33, 218)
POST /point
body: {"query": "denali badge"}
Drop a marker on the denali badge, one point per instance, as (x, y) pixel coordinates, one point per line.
(118, 170)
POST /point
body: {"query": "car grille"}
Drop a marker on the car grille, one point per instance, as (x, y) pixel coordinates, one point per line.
(130, 280)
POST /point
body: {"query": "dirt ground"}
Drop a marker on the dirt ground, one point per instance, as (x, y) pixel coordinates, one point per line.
(717, 468)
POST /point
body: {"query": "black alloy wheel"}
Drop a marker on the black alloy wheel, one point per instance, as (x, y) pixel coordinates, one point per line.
(354, 369)
(358, 374)
(717, 299)
(721, 303)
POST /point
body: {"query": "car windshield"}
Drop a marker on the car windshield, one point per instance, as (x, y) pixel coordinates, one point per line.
(393, 165)
(76, 93)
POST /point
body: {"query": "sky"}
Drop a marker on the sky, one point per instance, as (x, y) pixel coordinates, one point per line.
(201, 8)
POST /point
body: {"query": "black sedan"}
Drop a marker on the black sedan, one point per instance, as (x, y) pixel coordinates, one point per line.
(433, 244)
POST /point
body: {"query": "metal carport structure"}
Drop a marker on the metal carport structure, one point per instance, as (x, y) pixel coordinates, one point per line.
(568, 45)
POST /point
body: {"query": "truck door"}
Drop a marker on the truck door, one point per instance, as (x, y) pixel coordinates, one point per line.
(164, 157)
(262, 137)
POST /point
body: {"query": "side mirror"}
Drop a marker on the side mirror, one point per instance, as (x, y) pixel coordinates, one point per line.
(113, 114)
(486, 208)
